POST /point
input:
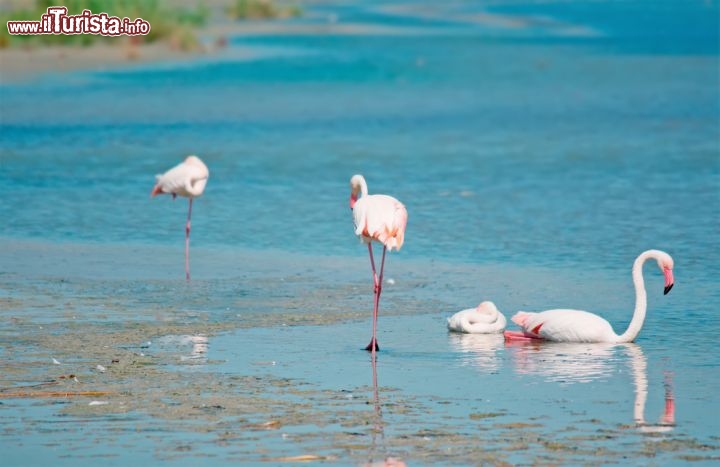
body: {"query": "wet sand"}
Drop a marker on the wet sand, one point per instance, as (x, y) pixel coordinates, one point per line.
(264, 365)
(175, 401)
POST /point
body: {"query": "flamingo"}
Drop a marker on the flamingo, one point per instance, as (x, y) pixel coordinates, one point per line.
(582, 326)
(484, 319)
(379, 218)
(186, 179)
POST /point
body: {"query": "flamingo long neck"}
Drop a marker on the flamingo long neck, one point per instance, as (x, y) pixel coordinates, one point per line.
(363, 187)
(640, 300)
(357, 182)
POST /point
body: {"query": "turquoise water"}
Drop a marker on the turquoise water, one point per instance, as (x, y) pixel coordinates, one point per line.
(538, 147)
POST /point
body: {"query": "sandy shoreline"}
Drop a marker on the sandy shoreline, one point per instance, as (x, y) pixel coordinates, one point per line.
(25, 64)
(22, 64)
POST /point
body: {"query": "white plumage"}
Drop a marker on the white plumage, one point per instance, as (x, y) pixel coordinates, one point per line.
(483, 319)
(379, 218)
(564, 325)
(186, 179)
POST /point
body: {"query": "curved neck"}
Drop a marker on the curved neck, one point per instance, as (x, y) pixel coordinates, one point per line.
(640, 300)
(195, 188)
(363, 187)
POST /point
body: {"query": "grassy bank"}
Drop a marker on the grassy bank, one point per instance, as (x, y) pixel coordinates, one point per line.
(171, 23)
(261, 9)
(174, 22)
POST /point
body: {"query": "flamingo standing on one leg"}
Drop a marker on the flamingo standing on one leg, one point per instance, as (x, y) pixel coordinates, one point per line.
(186, 179)
(582, 326)
(379, 218)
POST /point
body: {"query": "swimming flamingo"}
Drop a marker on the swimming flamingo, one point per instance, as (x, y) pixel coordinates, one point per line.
(582, 326)
(186, 179)
(379, 218)
(484, 319)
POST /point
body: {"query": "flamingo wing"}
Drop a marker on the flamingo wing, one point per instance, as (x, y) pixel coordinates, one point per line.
(381, 218)
(184, 179)
(563, 325)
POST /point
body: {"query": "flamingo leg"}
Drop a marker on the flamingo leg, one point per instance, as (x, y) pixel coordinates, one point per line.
(372, 264)
(373, 345)
(187, 242)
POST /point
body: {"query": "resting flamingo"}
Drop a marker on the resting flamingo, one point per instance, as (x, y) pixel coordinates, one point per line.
(483, 319)
(582, 326)
(382, 219)
(186, 179)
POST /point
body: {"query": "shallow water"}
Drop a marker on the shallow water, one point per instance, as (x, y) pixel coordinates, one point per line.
(538, 149)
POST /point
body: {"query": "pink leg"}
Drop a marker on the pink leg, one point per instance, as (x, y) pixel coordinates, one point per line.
(520, 336)
(373, 345)
(187, 242)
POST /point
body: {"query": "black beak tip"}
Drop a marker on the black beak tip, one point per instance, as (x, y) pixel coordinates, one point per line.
(667, 289)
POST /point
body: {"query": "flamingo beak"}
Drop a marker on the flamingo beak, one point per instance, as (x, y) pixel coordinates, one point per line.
(353, 200)
(669, 280)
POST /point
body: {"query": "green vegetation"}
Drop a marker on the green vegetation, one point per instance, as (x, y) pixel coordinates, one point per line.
(261, 9)
(168, 22)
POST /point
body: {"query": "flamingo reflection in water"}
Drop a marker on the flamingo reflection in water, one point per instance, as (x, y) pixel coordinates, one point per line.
(582, 363)
(479, 350)
(639, 368)
(379, 428)
(563, 362)
(175, 343)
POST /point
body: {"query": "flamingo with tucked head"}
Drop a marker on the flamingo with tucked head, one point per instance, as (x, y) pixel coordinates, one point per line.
(582, 326)
(187, 179)
(377, 218)
(483, 319)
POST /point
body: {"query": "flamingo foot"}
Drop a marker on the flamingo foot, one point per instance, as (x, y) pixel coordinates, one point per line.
(520, 336)
(369, 347)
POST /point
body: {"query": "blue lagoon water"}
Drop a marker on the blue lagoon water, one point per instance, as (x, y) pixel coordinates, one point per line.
(539, 148)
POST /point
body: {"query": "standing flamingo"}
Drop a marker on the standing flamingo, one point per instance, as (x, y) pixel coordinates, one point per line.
(379, 218)
(483, 319)
(186, 179)
(582, 326)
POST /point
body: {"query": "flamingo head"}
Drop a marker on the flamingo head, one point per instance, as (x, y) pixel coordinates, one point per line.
(665, 262)
(357, 187)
